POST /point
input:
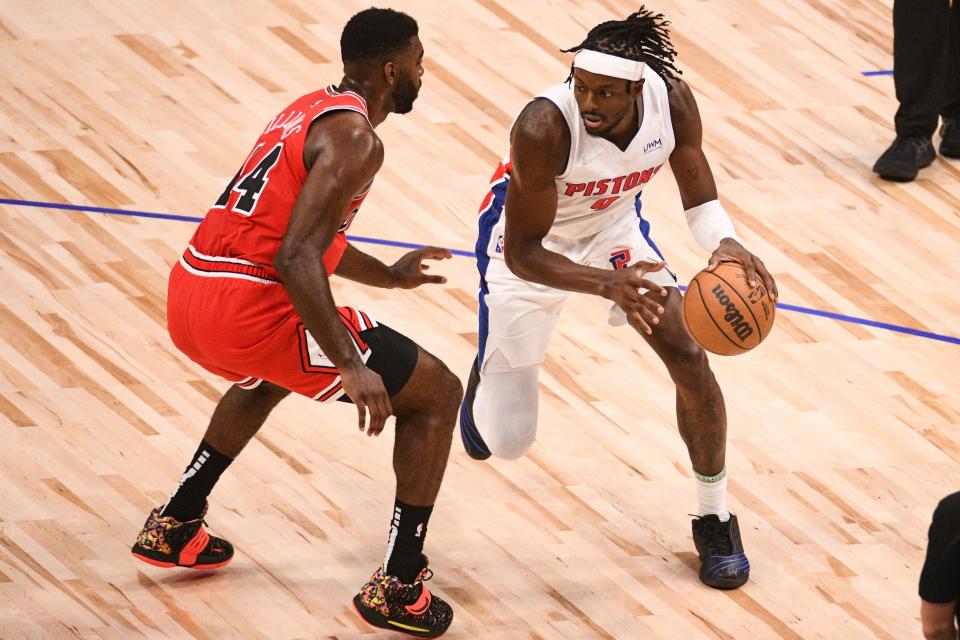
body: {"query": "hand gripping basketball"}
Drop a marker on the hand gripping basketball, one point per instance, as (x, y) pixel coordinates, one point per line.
(623, 288)
(732, 251)
(724, 312)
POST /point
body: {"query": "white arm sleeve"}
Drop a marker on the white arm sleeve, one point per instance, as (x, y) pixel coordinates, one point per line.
(710, 224)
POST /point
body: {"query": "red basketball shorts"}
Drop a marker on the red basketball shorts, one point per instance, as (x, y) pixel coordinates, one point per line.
(236, 320)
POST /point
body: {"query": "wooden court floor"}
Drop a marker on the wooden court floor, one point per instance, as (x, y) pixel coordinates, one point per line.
(842, 436)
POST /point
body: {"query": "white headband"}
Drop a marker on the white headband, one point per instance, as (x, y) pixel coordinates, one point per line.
(608, 65)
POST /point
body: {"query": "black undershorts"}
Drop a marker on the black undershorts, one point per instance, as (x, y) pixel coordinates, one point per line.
(392, 355)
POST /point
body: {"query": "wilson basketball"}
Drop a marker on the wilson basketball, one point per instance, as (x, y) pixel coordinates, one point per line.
(724, 314)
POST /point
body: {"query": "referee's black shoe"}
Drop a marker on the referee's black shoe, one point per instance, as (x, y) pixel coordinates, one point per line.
(950, 137)
(903, 159)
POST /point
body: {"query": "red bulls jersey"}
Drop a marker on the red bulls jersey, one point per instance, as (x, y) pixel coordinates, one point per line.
(246, 225)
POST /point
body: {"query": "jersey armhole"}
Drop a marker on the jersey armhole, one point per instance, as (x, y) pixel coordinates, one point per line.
(316, 118)
(572, 150)
(668, 114)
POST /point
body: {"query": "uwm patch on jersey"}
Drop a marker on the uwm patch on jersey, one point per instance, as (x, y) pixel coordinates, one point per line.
(249, 219)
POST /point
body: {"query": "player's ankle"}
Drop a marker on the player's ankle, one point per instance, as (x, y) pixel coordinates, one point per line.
(712, 495)
(197, 482)
(408, 530)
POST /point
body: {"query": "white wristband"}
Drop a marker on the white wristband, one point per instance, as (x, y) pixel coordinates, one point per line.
(710, 224)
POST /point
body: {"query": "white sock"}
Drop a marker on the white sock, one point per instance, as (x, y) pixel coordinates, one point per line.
(712, 495)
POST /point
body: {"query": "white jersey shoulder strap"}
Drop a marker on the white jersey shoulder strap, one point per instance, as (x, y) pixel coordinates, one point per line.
(562, 96)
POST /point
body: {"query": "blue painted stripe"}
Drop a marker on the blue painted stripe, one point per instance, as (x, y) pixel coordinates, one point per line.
(116, 212)
(863, 321)
(734, 565)
(929, 335)
(470, 436)
(869, 323)
(487, 221)
(468, 431)
(881, 72)
(729, 566)
(645, 228)
(405, 245)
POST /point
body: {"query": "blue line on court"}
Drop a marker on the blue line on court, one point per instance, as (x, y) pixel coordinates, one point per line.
(116, 212)
(881, 72)
(169, 216)
(869, 323)
(408, 245)
(469, 254)
(863, 321)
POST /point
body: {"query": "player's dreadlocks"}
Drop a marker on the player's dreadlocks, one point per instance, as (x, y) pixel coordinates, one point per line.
(640, 36)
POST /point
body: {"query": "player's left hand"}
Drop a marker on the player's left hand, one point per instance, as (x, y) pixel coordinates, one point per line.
(732, 251)
(409, 271)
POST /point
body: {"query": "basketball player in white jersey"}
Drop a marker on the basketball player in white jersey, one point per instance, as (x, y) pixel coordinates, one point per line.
(564, 214)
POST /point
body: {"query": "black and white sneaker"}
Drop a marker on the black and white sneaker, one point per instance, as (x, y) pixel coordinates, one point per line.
(723, 564)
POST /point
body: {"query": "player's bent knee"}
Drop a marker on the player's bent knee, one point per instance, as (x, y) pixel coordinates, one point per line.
(686, 355)
(433, 390)
(445, 403)
(505, 408)
(510, 452)
(265, 393)
(446, 392)
(451, 390)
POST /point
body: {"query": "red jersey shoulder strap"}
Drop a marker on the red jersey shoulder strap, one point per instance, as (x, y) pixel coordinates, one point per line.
(330, 99)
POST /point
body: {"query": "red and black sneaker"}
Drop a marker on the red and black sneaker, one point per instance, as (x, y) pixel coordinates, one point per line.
(164, 541)
(387, 603)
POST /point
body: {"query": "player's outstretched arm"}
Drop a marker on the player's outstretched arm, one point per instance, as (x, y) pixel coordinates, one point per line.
(540, 143)
(408, 272)
(342, 155)
(708, 222)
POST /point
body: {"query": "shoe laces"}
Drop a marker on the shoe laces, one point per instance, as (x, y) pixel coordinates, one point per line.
(718, 536)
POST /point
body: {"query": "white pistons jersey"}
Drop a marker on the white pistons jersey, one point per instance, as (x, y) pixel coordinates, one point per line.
(600, 184)
(598, 224)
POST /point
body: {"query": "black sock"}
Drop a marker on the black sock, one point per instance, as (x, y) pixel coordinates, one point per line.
(408, 529)
(196, 483)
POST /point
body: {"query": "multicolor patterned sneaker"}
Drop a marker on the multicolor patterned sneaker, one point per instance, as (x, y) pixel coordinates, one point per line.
(723, 564)
(164, 541)
(387, 603)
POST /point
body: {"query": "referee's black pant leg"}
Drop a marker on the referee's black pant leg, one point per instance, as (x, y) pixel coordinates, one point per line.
(921, 63)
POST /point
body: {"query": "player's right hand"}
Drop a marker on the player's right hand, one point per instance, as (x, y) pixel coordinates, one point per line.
(365, 388)
(622, 288)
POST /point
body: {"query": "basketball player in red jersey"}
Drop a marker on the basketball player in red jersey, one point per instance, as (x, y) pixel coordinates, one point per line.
(250, 301)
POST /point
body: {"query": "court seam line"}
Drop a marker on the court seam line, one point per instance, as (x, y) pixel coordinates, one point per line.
(840, 317)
